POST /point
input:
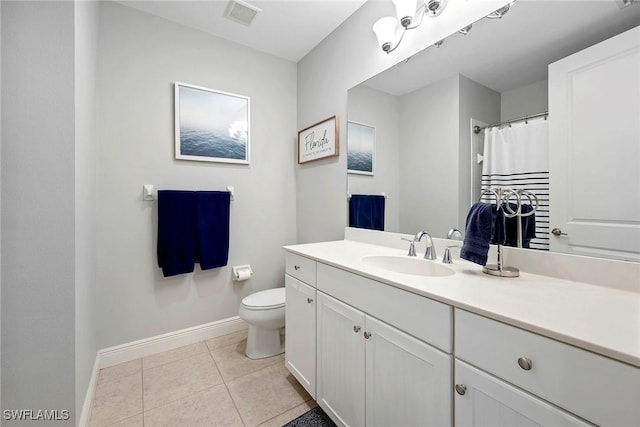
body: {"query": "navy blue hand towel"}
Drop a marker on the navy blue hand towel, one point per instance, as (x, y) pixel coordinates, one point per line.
(528, 227)
(176, 231)
(366, 212)
(213, 228)
(480, 227)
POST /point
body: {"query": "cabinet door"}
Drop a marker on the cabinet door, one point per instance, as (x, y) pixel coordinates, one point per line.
(408, 382)
(340, 361)
(488, 401)
(300, 321)
(594, 105)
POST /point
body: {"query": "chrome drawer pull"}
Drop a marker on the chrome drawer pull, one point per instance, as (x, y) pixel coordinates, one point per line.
(309, 300)
(356, 328)
(525, 363)
(296, 267)
(461, 389)
(367, 335)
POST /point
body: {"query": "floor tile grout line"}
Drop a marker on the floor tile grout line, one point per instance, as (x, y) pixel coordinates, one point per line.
(227, 388)
(142, 391)
(225, 382)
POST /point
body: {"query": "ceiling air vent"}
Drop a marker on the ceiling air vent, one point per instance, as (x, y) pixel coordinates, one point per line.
(242, 12)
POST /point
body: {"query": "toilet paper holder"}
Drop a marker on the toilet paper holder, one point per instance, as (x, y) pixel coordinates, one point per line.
(241, 272)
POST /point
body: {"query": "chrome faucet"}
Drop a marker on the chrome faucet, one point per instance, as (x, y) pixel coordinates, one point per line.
(430, 253)
(446, 258)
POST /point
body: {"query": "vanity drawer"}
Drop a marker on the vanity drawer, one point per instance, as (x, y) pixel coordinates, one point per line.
(300, 267)
(599, 389)
(425, 319)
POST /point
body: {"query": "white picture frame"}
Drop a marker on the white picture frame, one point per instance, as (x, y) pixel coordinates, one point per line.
(211, 125)
(361, 148)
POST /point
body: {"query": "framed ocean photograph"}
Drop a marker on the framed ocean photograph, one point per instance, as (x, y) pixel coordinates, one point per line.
(361, 142)
(210, 125)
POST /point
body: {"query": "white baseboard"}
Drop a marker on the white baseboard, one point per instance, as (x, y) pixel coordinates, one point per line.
(146, 347)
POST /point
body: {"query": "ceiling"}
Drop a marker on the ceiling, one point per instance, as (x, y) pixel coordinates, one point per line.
(514, 51)
(287, 29)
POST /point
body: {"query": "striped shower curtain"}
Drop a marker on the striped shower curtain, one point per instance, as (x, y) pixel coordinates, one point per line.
(517, 156)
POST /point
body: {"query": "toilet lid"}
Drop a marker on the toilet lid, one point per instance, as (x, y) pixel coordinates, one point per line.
(271, 298)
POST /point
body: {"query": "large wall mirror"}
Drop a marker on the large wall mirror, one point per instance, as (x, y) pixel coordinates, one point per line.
(428, 160)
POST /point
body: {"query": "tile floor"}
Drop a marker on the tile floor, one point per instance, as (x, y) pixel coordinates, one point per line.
(208, 384)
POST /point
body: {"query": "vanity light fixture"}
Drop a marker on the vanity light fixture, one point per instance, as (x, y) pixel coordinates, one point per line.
(498, 14)
(410, 13)
(465, 30)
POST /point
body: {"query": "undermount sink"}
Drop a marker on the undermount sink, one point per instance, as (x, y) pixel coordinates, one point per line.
(408, 265)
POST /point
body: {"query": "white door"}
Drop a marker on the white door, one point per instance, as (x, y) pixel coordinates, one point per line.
(300, 322)
(408, 382)
(594, 139)
(340, 360)
(484, 400)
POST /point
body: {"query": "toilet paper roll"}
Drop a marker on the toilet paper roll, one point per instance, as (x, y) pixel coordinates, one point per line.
(242, 275)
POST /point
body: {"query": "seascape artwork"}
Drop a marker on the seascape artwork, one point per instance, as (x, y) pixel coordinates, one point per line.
(211, 126)
(361, 143)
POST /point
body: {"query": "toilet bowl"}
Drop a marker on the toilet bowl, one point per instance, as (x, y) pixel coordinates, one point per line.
(264, 313)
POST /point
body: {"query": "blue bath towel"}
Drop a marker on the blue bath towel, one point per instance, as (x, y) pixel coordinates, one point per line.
(176, 231)
(213, 228)
(528, 227)
(508, 235)
(480, 227)
(366, 212)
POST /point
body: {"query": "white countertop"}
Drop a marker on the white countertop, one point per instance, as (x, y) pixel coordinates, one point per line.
(600, 319)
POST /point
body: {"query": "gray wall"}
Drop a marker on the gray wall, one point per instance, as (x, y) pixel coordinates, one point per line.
(86, 51)
(429, 158)
(381, 110)
(140, 58)
(38, 201)
(480, 103)
(424, 140)
(526, 100)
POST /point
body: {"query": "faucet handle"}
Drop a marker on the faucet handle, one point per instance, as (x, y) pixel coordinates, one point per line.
(446, 258)
(412, 246)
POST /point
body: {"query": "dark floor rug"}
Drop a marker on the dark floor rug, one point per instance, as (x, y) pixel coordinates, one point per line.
(312, 418)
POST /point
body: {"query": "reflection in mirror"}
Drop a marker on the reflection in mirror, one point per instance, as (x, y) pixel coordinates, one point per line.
(428, 159)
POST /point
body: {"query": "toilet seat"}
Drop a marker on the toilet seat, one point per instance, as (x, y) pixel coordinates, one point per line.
(265, 300)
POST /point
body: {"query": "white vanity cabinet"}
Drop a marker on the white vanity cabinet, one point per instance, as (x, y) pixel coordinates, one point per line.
(374, 374)
(597, 389)
(484, 400)
(300, 320)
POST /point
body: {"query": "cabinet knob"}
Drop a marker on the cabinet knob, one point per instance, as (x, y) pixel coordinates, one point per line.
(309, 300)
(296, 267)
(525, 363)
(461, 389)
(356, 328)
(367, 335)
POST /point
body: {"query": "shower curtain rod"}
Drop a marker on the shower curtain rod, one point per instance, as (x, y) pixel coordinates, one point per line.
(477, 129)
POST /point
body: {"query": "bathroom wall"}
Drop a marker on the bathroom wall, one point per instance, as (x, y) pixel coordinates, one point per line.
(38, 207)
(86, 50)
(480, 103)
(525, 100)
(347, 57)
(428, 181)
(381, 110)
(140, 58)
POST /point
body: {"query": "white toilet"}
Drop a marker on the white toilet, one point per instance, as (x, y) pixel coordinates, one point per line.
(264, 312)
